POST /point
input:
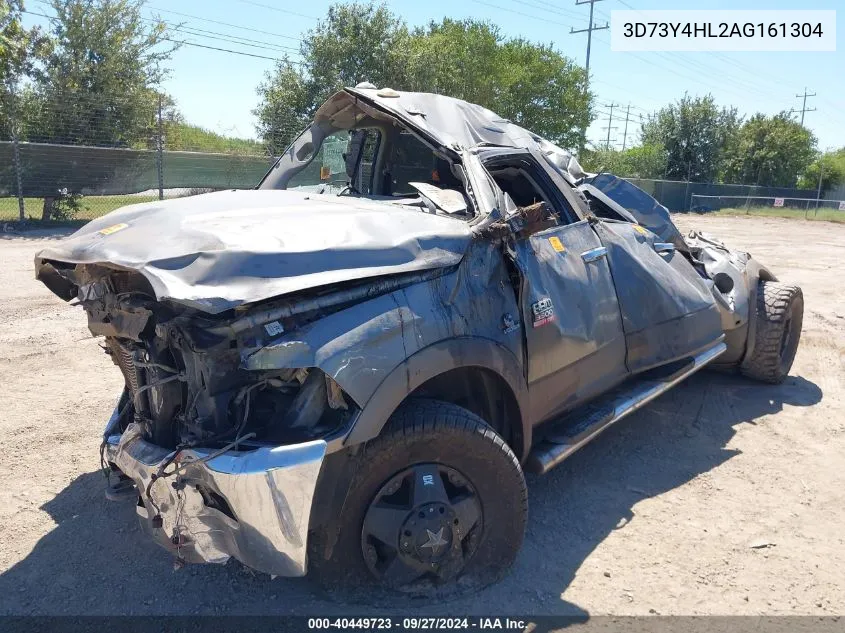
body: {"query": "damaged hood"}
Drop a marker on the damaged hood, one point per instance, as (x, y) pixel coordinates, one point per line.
(220, 250)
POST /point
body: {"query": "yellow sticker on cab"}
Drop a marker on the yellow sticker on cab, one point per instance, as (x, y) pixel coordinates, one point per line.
(641, 230)
(557, 244)
(114, 228)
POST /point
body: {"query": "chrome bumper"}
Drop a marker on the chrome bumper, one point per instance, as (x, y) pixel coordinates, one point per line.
(269, 492)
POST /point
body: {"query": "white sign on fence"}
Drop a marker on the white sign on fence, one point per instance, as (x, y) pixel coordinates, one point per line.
(842, 206)
(778, 202)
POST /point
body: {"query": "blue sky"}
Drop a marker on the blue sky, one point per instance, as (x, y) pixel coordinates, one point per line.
(217, 90)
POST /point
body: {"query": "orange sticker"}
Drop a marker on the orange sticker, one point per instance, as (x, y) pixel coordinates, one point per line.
(557, 244)
(325, 172)
(114, 228)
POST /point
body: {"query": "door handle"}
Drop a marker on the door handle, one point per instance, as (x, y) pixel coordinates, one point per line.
(664, 247)
(594, 254)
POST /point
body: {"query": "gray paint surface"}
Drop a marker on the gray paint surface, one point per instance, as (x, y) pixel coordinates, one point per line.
(220, 250)
(451, 122)
(587, 327)
(224, 250)
(361, 345)
(657, 293)
(642, 207)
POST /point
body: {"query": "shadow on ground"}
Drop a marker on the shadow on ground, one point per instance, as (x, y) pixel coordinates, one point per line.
(96, 560)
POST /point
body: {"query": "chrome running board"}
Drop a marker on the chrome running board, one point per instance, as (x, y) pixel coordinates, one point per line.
(585, 424)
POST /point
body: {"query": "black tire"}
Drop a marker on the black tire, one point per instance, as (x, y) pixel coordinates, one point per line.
(433, 437)
(780, 314)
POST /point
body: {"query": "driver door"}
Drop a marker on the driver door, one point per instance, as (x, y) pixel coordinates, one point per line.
(573, 326)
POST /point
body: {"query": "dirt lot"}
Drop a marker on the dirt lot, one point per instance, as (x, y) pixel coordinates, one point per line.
(658, 515)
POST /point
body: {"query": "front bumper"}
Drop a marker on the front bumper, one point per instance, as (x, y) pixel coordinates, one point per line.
(267, 492)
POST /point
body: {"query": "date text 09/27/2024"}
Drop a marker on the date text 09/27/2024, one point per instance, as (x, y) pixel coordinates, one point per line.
(418, 623)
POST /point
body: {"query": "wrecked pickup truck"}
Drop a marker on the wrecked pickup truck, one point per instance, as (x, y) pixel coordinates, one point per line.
(346, 370)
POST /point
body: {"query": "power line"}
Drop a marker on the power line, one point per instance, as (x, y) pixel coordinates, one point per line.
(214, 35)
(234, 26)
(228, 50)
(697, 66)
(556, 8)
(189, 43)
(272, 8)
(542, 6)
(527, 15)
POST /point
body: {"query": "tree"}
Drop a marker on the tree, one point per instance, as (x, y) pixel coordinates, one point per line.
(829, 165)
(355, 43)
(643, 161)
(20, 50)
(97, 86)
(543, 91)
(695, 134)
(532, 85)
(769, 151)
(456, 58)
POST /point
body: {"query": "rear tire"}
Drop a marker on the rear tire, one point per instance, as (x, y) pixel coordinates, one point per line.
(780, 314)
(438, 504)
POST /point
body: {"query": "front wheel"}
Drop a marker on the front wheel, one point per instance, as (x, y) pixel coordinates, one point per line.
(439, 499)
(780, 314)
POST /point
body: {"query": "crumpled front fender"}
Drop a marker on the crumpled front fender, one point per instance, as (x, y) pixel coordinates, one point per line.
(360, 346)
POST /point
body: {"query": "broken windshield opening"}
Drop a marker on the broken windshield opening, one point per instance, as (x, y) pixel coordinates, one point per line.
(377, 160)
(343, 161)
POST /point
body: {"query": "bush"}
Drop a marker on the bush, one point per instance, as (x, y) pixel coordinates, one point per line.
(62, 207)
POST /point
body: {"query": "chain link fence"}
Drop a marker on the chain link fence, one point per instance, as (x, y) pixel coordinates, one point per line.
(772, 206)
(681, 195)
(64, 160)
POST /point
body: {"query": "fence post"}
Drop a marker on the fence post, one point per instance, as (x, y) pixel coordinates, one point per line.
(16, 154)
(819, 191)
(17, 160)
(160, 153)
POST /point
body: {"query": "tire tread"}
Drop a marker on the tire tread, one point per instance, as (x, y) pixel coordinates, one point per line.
(417, 421)
(775, 303)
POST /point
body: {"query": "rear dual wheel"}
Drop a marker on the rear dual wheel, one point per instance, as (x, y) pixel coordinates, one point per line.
(439, 500)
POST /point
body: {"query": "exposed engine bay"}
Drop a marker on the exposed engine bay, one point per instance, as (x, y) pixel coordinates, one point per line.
(183, 381)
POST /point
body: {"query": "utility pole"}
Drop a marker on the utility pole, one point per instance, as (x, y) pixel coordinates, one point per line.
(591, 26)
(610, 125)
(625, 136)
(804, 107)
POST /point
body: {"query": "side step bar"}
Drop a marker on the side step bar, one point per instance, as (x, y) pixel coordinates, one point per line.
(560, 444)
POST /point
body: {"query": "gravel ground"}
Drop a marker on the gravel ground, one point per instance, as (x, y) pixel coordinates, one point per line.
(666, 513)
